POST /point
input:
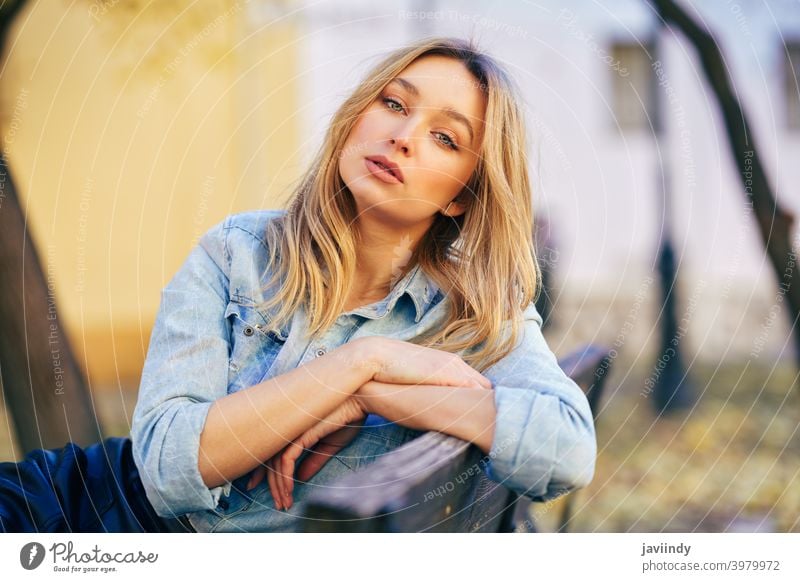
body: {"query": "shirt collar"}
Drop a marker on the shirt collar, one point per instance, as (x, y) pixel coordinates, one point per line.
(419, 287)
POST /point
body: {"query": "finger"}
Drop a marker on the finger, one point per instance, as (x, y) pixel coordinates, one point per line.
(279, 479)
(256, 477)
(280, 482)
(287, 474)
(273, 487)
(326, 449)
(474, 379)
(294, 450)
(289, 460)
(470, 380)
(483, 384)
(480, 380)
(474, 384)
(316, 460)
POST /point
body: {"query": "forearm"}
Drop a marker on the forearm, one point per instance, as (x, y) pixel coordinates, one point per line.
(246, 428)
(466, 413)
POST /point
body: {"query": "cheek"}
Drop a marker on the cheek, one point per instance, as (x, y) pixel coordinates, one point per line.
(449, 179)
(355, 133)
(352, 151)
(356, 146)
(366, 125)
(349, 147)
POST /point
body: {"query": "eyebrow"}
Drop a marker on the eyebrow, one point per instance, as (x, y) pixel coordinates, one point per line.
(448, 111)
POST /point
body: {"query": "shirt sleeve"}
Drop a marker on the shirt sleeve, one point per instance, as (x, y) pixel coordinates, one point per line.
(185, 371)
(544, 443)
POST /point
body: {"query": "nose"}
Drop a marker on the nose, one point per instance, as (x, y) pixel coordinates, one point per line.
(402, 143)
(407, 133)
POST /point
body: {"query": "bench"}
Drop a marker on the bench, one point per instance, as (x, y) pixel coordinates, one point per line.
(436, 482)
(433, 483)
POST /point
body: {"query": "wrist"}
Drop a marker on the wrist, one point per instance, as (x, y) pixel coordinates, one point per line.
(365, 397)
(365, 355)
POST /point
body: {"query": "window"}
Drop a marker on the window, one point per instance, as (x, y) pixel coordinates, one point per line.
(633, 86)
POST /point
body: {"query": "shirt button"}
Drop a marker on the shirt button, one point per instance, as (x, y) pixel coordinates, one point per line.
(248, 331)
(321, 352)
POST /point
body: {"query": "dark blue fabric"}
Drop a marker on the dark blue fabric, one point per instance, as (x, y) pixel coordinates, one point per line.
(74, 489)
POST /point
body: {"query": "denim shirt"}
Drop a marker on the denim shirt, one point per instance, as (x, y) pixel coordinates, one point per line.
(212, 337)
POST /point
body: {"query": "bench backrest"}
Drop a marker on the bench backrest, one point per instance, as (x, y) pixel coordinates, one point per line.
(435, 482)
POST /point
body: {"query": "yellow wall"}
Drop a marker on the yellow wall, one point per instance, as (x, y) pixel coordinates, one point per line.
(128, 138)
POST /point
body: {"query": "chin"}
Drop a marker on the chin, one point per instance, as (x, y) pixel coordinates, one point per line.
(366, 193)
(369, 200)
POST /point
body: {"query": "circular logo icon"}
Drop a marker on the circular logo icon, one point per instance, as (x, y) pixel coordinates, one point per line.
(31, 555)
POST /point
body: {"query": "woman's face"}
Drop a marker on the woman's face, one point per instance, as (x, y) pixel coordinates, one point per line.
(427, 124)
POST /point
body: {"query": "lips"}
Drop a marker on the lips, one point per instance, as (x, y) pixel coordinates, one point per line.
(384, 169)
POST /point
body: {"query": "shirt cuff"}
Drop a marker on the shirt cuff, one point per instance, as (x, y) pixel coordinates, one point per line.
(172, 481)
(542, 448)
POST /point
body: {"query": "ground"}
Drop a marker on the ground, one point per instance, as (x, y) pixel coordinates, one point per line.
(730, 463)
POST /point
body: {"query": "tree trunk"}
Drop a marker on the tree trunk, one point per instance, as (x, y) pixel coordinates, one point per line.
(41, 383)
(774, 223)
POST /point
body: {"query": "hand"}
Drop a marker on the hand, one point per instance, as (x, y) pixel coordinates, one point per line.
(327, 437)
(400, 362)
(326, 448)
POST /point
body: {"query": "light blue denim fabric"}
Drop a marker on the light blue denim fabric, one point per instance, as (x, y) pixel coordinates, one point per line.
(213, 338)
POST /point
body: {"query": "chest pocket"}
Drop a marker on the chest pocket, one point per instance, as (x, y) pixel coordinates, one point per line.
(254, 346)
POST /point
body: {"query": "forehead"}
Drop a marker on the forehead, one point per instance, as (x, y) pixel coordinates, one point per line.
(445, 82)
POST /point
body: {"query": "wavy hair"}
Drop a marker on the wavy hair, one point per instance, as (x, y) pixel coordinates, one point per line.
(485, 257)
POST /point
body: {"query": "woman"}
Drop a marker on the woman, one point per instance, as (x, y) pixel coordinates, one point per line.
(407, 245)
(393, 296)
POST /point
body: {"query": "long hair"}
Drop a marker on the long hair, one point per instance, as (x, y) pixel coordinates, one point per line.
(485, 258)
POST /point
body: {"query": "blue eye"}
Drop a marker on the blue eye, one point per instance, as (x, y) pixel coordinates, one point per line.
(446, 140)
(389, 102)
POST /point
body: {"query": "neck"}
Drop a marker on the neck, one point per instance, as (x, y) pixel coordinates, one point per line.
(383, 256)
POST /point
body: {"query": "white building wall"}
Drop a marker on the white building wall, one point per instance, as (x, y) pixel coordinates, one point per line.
(598, 185)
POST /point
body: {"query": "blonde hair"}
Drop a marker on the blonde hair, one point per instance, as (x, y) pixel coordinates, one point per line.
(485, 257)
